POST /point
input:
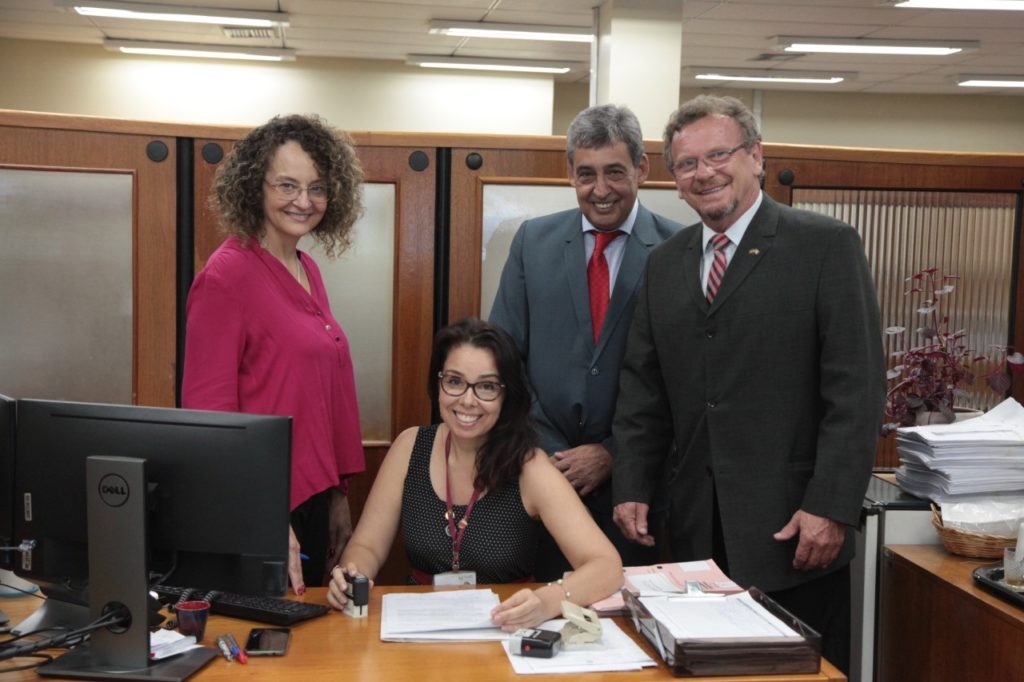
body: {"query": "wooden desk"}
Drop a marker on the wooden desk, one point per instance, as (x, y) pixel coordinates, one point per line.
(338, 647)
(936, 625)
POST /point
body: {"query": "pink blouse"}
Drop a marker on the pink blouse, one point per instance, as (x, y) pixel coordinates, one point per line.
(256, 342)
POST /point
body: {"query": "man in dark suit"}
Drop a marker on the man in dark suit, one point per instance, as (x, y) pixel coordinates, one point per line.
(569, 313)
(772, 390)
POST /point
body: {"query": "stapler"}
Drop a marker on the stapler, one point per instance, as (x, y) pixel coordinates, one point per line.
(583, 626)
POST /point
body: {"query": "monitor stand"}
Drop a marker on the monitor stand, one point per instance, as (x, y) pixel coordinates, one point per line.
(116, 507)
(54, 613)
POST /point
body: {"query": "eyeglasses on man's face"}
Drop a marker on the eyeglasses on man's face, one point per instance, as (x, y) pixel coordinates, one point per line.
(292, 190)
(454, 385)
(687, 167)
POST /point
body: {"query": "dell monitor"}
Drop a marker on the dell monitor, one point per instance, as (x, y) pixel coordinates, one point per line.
(6, 486)
(6, 481)
(217, 490)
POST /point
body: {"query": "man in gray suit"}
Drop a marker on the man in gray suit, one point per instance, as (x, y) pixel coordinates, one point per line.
(760, 356)
(553, 287)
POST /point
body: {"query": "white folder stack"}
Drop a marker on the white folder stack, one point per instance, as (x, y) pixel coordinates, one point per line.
(977, 456)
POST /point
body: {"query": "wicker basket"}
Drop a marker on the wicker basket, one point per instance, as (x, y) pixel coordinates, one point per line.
(970, 544)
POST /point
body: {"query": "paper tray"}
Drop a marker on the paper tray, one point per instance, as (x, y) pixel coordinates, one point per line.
(732, 656)
(991, 578)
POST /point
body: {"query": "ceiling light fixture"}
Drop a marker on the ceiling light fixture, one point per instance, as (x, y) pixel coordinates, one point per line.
(145, 47)
(480, 29)
(766, 76)
(179, 13)
(936, 48)
(978, 81)
(483, 64)
(960, 4)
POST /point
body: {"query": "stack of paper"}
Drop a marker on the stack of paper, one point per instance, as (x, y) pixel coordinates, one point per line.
(738, 634)
(984, 455)
(464, 615)
(455, 615)
(705, 577)
(164, 643)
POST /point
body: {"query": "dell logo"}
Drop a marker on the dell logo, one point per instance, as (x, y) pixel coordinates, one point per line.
(113, 490)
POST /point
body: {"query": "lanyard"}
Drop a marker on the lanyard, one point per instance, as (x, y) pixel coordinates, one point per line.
(456, 531)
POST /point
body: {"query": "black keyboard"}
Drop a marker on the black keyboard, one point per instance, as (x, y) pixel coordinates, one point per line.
(248, 607)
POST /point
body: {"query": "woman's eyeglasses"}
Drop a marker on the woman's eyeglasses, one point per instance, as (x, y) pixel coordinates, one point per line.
(292, 190)
(454, 385)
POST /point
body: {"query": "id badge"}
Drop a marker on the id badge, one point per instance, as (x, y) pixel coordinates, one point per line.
(449, 578)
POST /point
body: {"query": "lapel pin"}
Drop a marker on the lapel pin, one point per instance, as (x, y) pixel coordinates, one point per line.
(754, 252)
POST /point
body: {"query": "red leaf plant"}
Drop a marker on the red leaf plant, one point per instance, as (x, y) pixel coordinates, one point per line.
(933, 374)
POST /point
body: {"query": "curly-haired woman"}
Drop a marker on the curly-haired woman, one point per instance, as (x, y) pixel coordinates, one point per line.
(260, 336)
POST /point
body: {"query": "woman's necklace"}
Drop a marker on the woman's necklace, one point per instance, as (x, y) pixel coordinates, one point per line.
(453, 530)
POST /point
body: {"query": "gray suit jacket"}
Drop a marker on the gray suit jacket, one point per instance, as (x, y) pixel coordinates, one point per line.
(773, 395)
(543, 302)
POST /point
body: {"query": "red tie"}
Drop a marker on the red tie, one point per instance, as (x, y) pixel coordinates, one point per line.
(719, 242)
(598, 280)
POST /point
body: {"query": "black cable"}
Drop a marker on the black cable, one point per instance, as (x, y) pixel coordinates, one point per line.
(63, 640)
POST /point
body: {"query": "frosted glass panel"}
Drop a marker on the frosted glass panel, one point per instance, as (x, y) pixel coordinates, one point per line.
(66, 283)
(506, 207)
(969, 234)
(360, 285)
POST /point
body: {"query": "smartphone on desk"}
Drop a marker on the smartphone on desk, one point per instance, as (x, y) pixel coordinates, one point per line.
(267, 641)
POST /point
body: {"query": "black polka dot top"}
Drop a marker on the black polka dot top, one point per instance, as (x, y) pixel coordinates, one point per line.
(500, 542)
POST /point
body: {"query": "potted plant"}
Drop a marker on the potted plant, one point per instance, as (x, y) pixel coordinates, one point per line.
(929, 376)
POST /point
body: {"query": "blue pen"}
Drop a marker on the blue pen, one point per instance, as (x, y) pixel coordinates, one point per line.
(236, 650)
(304, 557)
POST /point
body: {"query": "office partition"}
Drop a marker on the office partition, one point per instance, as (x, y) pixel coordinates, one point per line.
(87, 228)
(916, 210)
(441, 210)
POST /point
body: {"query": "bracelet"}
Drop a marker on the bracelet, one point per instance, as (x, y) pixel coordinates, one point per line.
(565, 589)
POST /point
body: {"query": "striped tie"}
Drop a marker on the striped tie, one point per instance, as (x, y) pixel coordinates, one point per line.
(719, 242)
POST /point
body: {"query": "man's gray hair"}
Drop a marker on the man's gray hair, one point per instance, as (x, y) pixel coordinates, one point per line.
(602, 126)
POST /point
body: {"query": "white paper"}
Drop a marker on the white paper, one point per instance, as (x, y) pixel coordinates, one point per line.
(733, 616)
(980, 456)
(455, 615)
(653, 584)
(165, 643)
(614, 651)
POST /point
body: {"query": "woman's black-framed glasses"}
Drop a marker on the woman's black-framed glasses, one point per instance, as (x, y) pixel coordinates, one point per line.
(454, 385)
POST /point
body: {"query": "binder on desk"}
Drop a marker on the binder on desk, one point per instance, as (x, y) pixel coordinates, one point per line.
(776, 643)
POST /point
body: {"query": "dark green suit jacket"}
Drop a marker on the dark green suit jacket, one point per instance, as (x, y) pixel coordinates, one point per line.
(773, 395)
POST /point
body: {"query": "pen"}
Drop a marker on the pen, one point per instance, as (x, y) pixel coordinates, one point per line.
(235, 649)
(224, 648)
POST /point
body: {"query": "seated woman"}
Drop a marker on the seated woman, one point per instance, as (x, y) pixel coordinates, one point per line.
(469, 492)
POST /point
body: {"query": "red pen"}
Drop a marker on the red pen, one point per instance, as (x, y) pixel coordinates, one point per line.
(238, 652)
